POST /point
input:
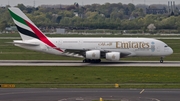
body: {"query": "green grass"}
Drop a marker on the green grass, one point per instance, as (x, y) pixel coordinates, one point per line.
(10, 35)
(86, 77)
(104, 77)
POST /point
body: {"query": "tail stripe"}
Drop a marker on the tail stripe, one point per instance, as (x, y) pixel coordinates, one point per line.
(41, 36)
(23, 26)
(18, 18)
(26, 32)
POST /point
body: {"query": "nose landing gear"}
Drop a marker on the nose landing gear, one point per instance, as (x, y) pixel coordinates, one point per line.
(161, 60)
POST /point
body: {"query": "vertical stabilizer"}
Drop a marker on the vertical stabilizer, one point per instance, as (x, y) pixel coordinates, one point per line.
(27, 29)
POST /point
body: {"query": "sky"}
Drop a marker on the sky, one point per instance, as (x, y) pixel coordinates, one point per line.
(81, 2)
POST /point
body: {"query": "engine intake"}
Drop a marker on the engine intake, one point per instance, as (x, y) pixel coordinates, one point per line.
(93, 54)
(113, 56)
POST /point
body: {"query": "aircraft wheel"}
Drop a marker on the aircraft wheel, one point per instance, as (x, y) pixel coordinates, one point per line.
(91, 61)
(161, 61)
(99, 60)
(87, 61)
(84, 61)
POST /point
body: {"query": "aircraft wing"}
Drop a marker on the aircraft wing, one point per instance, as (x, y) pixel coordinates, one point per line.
(103, 52)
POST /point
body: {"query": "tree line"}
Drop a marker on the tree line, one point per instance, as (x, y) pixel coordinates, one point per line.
(116, 16)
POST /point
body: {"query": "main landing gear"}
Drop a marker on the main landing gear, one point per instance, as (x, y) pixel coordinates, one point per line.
(161, 60)
(92, 60)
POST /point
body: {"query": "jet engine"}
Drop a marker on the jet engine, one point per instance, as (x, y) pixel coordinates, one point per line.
(113, 56)
(93, 54)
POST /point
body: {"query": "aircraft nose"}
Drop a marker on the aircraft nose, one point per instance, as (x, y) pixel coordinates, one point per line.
(170, 50)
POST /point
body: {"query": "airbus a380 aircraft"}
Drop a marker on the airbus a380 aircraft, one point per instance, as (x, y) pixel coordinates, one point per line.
(92, 49)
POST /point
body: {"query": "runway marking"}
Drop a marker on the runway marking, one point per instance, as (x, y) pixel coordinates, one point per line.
(156, 99)
(142, 91)
(79, 99)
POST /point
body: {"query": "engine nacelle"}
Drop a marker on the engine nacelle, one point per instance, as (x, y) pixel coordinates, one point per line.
(113, 56)
(93, 54)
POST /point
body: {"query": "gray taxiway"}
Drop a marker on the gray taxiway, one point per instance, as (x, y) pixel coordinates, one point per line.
(45, 94)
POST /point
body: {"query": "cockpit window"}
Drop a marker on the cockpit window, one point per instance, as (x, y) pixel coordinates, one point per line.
(166, 46)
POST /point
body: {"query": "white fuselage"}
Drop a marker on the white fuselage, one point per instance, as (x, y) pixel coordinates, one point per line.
(131, 46)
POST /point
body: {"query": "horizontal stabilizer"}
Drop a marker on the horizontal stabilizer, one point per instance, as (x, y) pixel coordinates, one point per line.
(24, 43)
